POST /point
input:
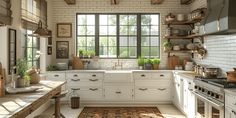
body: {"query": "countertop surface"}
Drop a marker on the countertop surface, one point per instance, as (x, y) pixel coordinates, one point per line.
(231, 91)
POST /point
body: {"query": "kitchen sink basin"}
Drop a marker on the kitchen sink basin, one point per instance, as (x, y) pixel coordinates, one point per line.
(118, 76)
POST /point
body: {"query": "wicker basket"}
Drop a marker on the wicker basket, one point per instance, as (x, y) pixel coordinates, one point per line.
(35, 78)
(231, 76)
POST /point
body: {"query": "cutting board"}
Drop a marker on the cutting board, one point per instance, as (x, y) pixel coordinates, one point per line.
(172, 62)
(2, 82)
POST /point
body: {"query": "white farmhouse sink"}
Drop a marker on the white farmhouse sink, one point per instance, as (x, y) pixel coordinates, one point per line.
(118, 76)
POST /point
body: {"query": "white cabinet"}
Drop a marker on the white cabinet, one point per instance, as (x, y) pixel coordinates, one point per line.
(118, 93)
(183, 98)
(57, 76)
(89, 85)
(230, 105)
(152, 86)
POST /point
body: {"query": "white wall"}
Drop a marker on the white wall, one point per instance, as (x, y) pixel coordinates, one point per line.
(61, 12)
(221, 49)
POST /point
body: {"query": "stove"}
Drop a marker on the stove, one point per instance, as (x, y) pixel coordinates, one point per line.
(220, 82)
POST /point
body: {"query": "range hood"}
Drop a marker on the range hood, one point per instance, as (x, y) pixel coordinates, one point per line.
(220, 18)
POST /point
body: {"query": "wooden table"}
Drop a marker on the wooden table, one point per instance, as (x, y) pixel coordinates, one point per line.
(21, 105)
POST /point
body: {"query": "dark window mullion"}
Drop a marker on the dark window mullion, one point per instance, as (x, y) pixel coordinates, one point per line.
(139, 35)
(97, 34)
(118, 35)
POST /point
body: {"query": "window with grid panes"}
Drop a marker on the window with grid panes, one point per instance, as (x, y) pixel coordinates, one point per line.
(119, 35)
(32, 46)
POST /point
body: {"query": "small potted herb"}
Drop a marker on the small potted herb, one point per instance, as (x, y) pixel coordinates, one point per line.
(81, 53)
(91, 54)
(148, 64)
(155, 64)
(141, 62)
(23, 79)
(167, 46)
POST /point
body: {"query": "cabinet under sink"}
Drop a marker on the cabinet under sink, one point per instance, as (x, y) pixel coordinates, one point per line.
(118, 76)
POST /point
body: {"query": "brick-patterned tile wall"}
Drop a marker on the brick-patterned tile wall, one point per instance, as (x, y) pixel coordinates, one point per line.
(61, 12)
(221, 50)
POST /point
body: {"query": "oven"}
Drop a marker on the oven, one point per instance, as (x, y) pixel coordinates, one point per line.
(207, 107)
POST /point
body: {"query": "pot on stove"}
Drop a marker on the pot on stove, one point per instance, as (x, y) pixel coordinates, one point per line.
(210, 72)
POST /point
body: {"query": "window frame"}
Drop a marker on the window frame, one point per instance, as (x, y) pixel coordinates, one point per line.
(139, 35)
(26, 47)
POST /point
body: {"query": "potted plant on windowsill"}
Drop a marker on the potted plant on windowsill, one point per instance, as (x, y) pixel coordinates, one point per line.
(91, 54)
(23, 79)
(155, 64)
(141, 62)
(148, 64)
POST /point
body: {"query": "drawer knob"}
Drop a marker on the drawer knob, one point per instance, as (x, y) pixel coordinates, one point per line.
(75, 79)
(56, 75)
(143, 89)
(143, 75)
(94, 75)
(75, 75)
(161, 75)
(162, 89)
(235, 104)
(93, 89)
(234, 112)
(93, 80)
(118, 92)
(75, 89)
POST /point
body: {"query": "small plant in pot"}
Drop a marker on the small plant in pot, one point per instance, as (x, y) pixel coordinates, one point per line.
(81, 53)
(148, 64)
(23, 79)
(167, 46)
(91, 54)
(155, 64)
(141, 62)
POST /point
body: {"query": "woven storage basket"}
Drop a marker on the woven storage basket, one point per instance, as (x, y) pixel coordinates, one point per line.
(35, 78)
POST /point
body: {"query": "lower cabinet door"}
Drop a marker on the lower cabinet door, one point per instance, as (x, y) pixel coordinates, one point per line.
(118, 93)
(230, 113)
(87, 94)
(161, 94)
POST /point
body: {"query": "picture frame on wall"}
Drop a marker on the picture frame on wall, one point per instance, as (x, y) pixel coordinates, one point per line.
(62, 49)
(49, 40)
(49, 50)
(64, 30)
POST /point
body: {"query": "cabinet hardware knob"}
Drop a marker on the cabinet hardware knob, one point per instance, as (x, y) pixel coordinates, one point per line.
(143, 89)
(93, 80)
(143, 75)
(161, 75)
(56, 75)
(94, 75)
(93, 89)
(75, 79)
(74, 89)
(162, 89)
(118, 92)
(75, 75)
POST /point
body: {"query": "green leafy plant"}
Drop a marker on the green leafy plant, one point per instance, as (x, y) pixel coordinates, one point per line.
(141, 61)
(167, 44)
(91, 53)
(156, 61)
(21, 67)
(147, 61)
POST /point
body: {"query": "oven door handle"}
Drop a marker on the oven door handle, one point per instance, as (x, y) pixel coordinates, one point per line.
(215, 103)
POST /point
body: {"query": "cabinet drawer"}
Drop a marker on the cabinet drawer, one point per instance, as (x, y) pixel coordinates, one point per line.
(79, 83)
(142, 75)
(88, 94)
(152, 82)
(230, 101)
(118, 93)
(161, 94)
(85, 75)
(56, 76)
(161, 75)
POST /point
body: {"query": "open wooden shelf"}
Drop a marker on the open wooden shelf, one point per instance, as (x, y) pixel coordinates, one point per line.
(183, 37)
(183, 22)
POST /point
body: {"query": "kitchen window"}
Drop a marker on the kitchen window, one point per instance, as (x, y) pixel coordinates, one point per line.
(119, 35)
(32, 45)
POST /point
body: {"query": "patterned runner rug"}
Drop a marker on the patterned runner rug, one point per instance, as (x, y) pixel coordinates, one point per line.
(120, 112)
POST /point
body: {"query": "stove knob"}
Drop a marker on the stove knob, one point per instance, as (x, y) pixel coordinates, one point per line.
(212, 94)
(195, 87)
(203, 90)
(217, 96)
(208, 93)
(199, 88)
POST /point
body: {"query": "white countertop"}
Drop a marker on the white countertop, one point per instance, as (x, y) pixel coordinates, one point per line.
(231, 91)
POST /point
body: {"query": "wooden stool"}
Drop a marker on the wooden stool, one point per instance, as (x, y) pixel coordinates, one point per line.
(57, 98)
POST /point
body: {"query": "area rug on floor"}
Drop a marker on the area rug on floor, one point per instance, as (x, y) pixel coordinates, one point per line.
(120, 112)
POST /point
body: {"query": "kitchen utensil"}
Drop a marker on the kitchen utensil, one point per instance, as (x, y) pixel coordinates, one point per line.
(231, 76)
(210, 72)
(172, 62)
(180, 17)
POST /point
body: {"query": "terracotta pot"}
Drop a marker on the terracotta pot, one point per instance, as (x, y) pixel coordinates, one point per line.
(155, 66)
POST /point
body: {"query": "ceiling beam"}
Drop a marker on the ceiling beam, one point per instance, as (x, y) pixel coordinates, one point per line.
(70, 2)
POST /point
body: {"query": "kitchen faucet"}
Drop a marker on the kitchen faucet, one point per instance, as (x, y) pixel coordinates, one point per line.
(118, 64)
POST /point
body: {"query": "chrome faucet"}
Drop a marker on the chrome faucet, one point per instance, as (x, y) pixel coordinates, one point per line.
(118, 64)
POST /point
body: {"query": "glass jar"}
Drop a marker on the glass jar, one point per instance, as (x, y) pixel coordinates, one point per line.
(74, 98)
